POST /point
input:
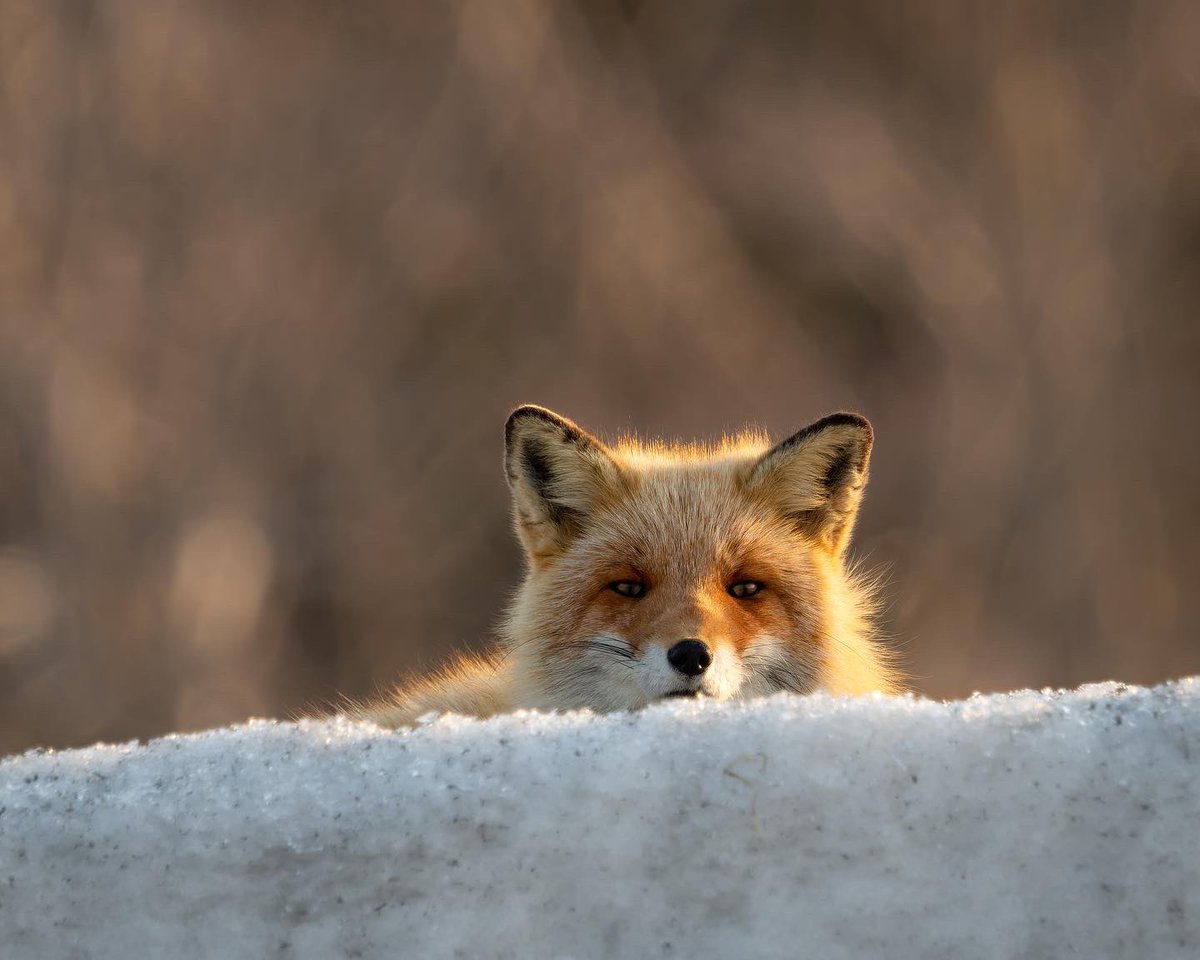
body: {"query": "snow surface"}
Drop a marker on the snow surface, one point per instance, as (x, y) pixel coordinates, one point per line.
(1025, 825)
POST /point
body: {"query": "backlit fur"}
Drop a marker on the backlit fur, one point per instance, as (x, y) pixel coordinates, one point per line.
(687, 522)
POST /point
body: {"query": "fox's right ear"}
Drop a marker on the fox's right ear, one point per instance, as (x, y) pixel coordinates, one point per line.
(559, 475)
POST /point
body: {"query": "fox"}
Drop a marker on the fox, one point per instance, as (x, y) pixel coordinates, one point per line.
(661, 570)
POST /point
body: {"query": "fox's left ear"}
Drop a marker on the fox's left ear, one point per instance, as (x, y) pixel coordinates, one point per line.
(816, 477)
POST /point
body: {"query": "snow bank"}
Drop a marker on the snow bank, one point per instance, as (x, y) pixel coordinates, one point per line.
(1026, 825)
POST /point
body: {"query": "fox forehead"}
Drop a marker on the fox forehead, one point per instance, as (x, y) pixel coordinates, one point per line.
(687, 513)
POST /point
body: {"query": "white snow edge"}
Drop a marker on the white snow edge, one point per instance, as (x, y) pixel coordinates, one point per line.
(1020, 825)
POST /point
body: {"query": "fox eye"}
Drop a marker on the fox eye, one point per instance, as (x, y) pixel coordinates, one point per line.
(744, 588)
(628, 588)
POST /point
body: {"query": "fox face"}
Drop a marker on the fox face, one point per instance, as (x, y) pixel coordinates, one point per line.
(656, 571)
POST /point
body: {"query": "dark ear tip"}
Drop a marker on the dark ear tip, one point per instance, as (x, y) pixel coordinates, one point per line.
(528, 411)
(529, 420)
(854, 420)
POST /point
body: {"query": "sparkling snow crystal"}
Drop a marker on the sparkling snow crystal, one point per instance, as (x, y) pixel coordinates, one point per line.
(1026, 825)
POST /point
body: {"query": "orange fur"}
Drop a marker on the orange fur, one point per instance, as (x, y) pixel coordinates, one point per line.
(684, 524)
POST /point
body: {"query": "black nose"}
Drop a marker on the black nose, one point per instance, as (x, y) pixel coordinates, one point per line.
(689, 657)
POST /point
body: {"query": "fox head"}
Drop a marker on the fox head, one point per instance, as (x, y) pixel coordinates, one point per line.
(660, 571)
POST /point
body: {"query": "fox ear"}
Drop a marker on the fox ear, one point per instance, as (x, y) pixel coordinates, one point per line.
(559, 474)
(816, 477)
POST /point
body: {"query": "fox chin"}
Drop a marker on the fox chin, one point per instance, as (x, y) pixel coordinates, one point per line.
(671, 570)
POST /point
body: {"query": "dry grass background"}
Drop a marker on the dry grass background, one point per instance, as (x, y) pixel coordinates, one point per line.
(272, 275)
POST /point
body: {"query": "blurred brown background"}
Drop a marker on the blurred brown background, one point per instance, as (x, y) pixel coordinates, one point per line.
(272, 275)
